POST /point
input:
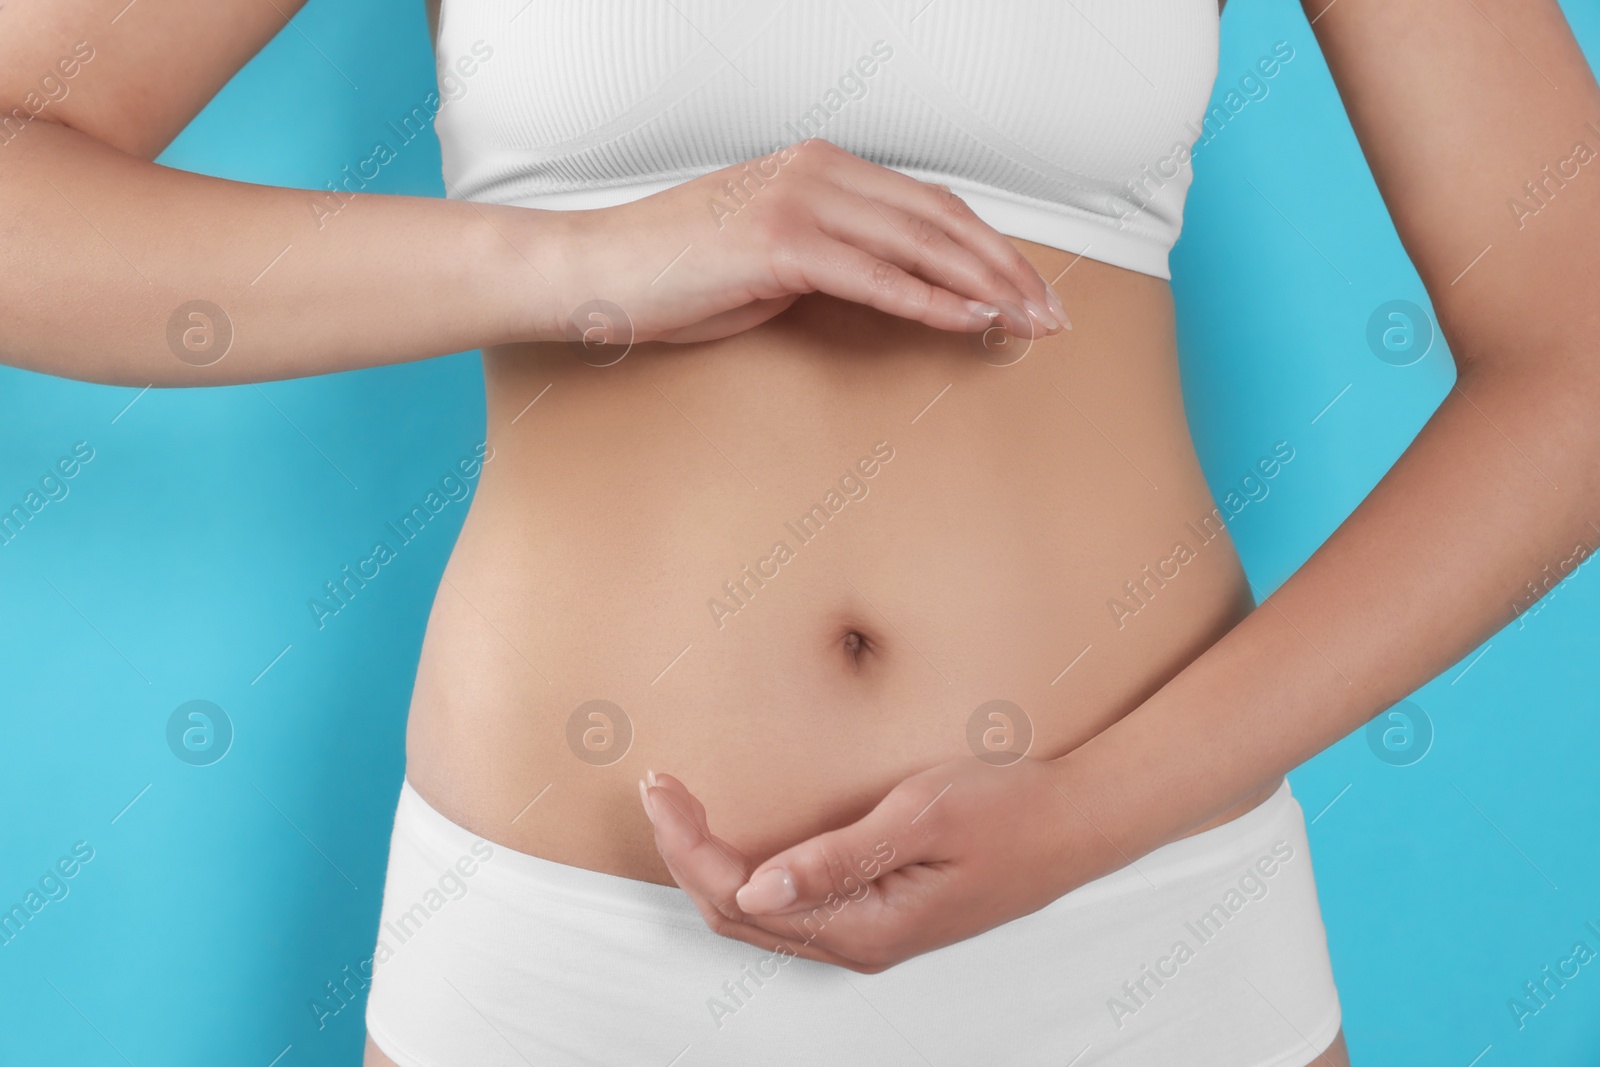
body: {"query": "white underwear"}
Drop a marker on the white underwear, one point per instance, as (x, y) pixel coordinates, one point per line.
(1209, 951)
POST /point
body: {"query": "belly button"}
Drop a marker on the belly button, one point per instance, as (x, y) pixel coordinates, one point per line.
(857, 646)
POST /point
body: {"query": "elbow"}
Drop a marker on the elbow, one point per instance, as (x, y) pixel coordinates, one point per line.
(1525, 307)
(17, 120)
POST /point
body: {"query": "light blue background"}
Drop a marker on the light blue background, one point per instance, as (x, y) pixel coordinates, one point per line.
(217, 905)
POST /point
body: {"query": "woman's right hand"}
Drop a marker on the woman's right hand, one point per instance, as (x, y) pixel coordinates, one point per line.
(182, 279)
(726, 251)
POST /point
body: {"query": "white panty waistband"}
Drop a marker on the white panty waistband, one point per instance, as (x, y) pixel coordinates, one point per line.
(1210, 950)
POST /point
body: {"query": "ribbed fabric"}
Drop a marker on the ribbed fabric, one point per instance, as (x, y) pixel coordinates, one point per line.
(1066, 122)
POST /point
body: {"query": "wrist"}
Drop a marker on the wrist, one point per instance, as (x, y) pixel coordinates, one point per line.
(1096, 842)
(523, 261)
(1173, 766)
(1145, 781)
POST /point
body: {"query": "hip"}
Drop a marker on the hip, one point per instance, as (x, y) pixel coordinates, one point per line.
(1210, 950)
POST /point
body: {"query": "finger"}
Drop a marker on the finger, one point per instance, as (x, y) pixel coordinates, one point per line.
(730, 322)
(680, 794)
(939, 203)
(702, 864)
(839, 269)
(686, 842)
(837, 864)
(788, 933)
(873, 923)
(699, 861)
(800, 934)
(881, 921)
(919, 246)
(773, 941)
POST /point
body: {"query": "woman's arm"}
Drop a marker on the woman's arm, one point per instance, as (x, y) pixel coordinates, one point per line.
(115, 269)
(102, 246)
(105, 250)
(1457, 106)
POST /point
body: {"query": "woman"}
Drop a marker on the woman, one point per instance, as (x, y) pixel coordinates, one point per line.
(818, 543)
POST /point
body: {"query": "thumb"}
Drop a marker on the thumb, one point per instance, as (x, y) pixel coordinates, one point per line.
(842, 862)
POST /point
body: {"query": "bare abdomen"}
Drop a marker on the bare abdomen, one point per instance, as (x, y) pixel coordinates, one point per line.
(796, 561)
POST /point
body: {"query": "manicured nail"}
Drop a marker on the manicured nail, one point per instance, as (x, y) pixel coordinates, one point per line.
(1046, 319)
(978, 307)
(644, 798)
(650, 777)
(767, 892)
(1057, 308)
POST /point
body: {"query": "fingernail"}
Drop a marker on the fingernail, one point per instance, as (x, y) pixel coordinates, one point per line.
(1046, 319)
(1057, 308)
(644, 798)
(978, 307)
(768, 891)
(650, 777)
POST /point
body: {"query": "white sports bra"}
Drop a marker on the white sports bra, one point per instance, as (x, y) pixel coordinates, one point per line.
(1065, 122)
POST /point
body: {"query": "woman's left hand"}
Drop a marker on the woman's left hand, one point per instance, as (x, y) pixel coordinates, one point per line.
(951, 852)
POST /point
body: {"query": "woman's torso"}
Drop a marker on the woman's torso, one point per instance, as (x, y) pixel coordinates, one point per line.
(796, 562)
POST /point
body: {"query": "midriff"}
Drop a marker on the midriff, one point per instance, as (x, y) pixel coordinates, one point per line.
(641, 536)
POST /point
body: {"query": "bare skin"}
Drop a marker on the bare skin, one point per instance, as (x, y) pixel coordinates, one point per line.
(617, 506)
(1452, 114)
(1432, 90)
(852, 377)
(620, 501)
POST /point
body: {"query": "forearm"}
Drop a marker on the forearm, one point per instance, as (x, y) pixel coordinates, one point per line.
(102, 250)
(1504, 480)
